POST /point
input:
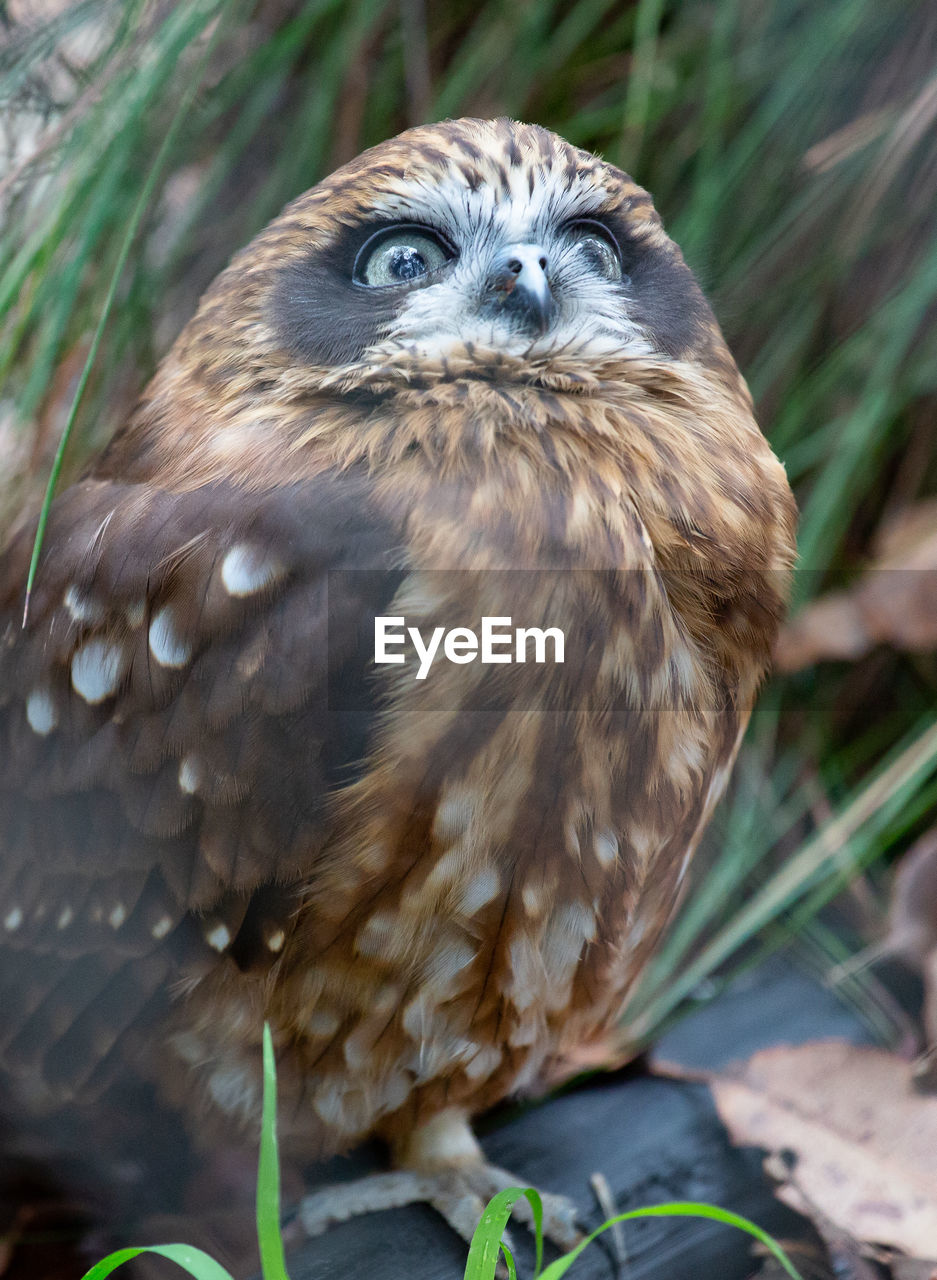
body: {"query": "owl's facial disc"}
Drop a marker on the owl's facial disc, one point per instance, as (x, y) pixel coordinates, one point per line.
(476, 285)
(474, 240)
(519, 287)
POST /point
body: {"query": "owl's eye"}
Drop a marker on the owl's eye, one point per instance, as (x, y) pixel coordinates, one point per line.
(398, 255)
(593, 242)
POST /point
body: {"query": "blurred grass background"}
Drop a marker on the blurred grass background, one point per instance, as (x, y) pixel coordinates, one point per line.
(791, 148)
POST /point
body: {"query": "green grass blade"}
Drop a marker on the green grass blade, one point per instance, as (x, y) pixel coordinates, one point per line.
(509, 1261)
(140, 209)
(272, 1260)
(678, 1209)
(198, 1264)
(640, 82)
(486, 1242)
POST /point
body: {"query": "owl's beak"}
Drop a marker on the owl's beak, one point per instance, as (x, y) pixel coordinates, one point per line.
(521, 287)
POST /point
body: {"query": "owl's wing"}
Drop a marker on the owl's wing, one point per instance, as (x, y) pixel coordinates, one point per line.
(191, 685)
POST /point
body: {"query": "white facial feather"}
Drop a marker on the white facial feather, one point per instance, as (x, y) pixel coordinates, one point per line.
(438, 320)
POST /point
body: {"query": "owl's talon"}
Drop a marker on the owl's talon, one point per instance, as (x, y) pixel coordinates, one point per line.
(323, 1209)
(458, 1194)
(560, 1214)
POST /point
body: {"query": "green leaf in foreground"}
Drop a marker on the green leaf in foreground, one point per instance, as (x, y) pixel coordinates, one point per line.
(483, 1253)
(186, 1256)
(140, 208)
(486, 1242)
(272, 1260)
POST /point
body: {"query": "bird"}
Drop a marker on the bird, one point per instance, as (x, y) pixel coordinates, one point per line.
(466, 381)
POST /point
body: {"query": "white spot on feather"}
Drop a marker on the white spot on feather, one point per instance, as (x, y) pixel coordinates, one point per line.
(372, 858)
(359, 1046)
(329, 1105)
(322, 1023)
(530, 1071)
(527, 1031)
(684, 670)
(81, 608)
(190, 774)
(12, 920)
(480, 890)
(440, 1054)
(569, 929)
(244, 570)
(118, 915)
(606, 847)
(448, 869)
(234, 1090)
(97, 670)
(396, 1090)
(166, 645)
(445, 964)
(416, 1014)
(376, 935)
(527, 972)
(41, 712)
(386, 999)
(643, 842)
(486, 1061)
(162, 927)
(342, 1107)
(189, 1048)
(275, 940)
(66, 916)
(454, 814)
(532, 898)
(219, 937)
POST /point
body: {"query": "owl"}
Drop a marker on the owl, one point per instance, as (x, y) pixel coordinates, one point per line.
(465, 389)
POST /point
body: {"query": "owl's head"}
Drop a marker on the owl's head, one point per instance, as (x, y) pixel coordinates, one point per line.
(468, 252)
(473, 237)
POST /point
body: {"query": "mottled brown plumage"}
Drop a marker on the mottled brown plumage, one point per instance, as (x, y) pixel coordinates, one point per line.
(216, 809)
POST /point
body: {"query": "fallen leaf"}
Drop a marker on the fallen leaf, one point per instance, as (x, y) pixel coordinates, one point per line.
(912, 912)
(865, 1142)
(894, 601)
(911, 934)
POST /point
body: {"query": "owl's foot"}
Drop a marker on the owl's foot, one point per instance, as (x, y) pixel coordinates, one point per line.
(445, 1168)
(460, 1195)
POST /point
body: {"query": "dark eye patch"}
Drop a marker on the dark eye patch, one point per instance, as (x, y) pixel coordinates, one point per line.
(663, 296)
(320, 314)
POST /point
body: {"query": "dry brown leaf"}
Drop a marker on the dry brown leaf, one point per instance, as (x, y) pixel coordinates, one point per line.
(912, 935)
(912, 913)
(865, 1141)
(912, 921)
(894, 602)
